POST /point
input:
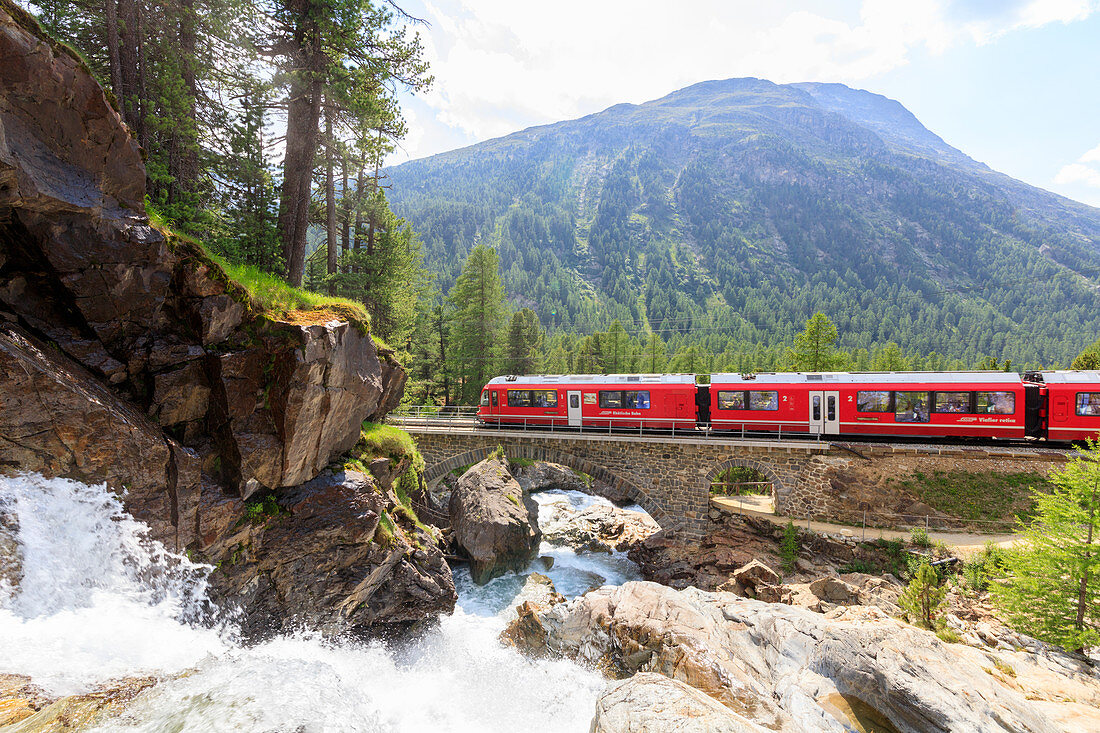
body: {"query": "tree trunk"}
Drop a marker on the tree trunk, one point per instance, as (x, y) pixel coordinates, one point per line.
(187, 173)
(111, 14)
(359, 183)
(1083, 592)
(345, 210)
(301, 135)
(127, 90)
(330, 201)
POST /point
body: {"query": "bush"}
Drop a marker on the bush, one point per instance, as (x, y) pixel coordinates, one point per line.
(918, 537)
(498, 454)
(789, 547)
(860, 565)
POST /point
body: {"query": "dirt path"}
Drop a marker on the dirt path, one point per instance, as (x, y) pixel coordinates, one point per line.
(965, 543)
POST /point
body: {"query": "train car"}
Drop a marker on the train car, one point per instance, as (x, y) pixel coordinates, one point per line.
(918, 404)
(1072, 401)
(612, 401)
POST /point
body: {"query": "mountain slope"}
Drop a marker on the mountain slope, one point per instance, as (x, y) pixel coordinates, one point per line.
(729, 211)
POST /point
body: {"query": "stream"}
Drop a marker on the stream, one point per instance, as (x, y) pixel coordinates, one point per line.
(100, 600)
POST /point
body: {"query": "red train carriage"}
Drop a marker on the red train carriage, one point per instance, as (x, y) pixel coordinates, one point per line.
(1072, 401)
(658, 401)
(922, 404)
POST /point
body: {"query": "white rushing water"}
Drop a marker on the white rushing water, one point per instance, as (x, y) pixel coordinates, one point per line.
(98, 600)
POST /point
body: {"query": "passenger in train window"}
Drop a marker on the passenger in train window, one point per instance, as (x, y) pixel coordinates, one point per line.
(731, 400)
(1088, 404)
(764, 400)
(643, 400)
(995, 403)
(911, 407)
(953, 402)
(873, 401)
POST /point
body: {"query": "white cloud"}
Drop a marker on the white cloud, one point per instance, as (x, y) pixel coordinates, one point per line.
(502, 65)
(1078, 173)
(1092, 156)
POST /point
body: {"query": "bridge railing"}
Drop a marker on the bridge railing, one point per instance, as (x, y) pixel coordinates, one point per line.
(462, 419)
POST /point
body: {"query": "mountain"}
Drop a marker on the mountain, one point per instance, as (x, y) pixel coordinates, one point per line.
(728, 212)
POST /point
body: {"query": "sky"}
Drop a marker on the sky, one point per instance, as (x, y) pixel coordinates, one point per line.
(1014, 84)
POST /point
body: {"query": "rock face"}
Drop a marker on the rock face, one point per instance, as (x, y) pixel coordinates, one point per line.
(24, 708)
(652, 703)
(128, 357)
(545, 476)
(494, 523)
(315, 555)
(787, 668)
(598, 528)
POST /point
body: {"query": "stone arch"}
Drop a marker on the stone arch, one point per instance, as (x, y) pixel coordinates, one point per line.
(759, 466)
(435, 472)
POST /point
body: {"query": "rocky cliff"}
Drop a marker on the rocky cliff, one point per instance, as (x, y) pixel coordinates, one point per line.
(128, 356)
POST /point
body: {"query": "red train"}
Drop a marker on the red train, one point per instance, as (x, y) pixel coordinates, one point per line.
(1052, 405)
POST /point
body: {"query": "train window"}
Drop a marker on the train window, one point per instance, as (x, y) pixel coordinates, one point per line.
(610, 400)
(995, 403)
(911, 407)
(817, 407)
(636, 400)
(831, 412)
(495, 398)
(1088, 404)
(874, 401)
(952, 402)
(484, 398)
(729, 400)
(763, 400)
(519, 398)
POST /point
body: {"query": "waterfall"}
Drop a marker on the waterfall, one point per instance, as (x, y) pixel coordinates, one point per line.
(98, 599)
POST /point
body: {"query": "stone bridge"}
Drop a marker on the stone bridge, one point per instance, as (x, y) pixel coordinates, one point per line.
(671, 477)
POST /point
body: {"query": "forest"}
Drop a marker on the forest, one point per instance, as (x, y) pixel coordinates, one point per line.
(708, 231)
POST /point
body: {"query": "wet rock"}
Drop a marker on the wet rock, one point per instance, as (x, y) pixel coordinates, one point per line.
(652, 703)
(494, 523)
(598, 528)
(181, 395)
(11, 557)
(747, 654)
(24, 708)
(539, 591)
(323, 558)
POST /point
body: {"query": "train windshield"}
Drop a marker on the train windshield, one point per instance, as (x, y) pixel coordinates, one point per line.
(485, 398)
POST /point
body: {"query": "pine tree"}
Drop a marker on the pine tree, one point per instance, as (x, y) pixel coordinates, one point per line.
(815, 348)
(477, 300)
(923, 598)
(1053, 587)
(654, 355)
(522, 351)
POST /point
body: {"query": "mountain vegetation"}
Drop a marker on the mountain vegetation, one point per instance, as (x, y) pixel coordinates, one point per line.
(709, 225)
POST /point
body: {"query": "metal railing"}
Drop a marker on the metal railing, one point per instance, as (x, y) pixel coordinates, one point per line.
(460, 419)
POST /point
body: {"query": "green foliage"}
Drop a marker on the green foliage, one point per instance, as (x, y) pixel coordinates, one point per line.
(385, 441)
(948, 635)
(815, 348)
(923, 597)
(477, 300)
(260, 511)
(989, 563)
(386, 531)
(498, 454)
(523, 349)
(514, 499)
(1052, 589)
(730, 482)
(1089, 358)
(860, 565)
(918, 537)
(988, 496)
(789, 547)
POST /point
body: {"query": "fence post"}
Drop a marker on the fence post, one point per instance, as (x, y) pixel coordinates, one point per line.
(864, 539)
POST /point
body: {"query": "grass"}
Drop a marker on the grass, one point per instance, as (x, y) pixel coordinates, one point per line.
(265, 294)
(977, 496)
(262, 510)
(386, 441)
(521, 462)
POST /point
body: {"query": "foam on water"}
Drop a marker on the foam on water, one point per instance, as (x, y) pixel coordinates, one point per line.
(99, 600)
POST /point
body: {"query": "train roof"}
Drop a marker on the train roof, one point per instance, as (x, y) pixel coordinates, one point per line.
(1066, 376)
(987, 377)
(558, 379)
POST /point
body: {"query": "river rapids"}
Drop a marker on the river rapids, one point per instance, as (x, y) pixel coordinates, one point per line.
(99, 600)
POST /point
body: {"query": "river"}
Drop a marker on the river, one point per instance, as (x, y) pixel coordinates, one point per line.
(98, 600)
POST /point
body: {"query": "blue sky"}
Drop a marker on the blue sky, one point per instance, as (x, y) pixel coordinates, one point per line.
(1012, 83)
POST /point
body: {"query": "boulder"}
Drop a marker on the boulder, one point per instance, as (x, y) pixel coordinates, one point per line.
(546, 476)
(24, 708)
(494, 523)
(652, 703)
(11, 557)
(778, 665)
(322, 559)
(598, 528)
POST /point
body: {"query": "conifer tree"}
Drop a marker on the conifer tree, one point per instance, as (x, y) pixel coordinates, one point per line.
(477, 302)
(923, 597)
(1053, 587)
(522, 351)
(654, 355)
(815, 348)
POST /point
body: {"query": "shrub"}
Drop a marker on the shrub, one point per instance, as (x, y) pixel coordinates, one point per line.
(498, 454)
(860, 565)
(918, 537)
(789, 546)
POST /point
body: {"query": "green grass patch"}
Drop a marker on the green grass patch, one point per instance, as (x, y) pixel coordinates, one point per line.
(977, 496)
(521, 462)
(515, 500)
(385, 441)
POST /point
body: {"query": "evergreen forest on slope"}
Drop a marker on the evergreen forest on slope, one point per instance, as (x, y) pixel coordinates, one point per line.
(722, 216)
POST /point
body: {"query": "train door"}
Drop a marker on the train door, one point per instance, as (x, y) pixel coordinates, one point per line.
(574, 406)
(825, 412)
(494, 401)
(1059, 412)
